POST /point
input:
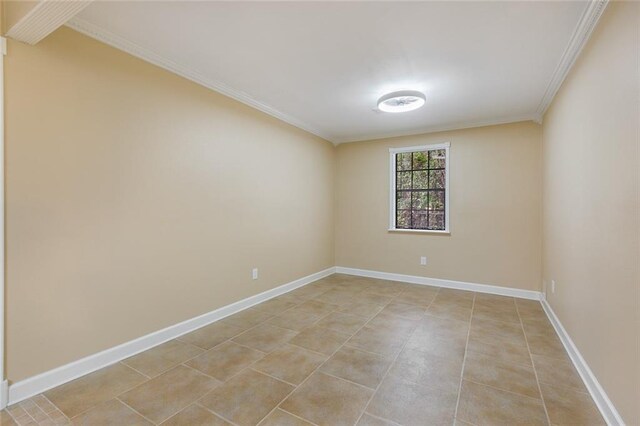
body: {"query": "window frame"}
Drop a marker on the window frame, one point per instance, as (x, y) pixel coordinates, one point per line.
(393, 192)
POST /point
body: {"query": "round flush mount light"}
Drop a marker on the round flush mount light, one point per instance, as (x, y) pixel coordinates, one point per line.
(402, 101)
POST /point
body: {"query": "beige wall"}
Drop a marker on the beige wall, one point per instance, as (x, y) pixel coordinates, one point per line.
(13, 11)
(495, 209)
(137, 199)
(591, 209)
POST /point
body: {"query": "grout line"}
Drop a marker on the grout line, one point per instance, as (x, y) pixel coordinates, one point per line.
(297, 417)
(395, 358)
(212, 412)
(464, 359)
(317, 369)
(252, 368)
(139, 413)
(535, 372)
(137, 371)
(381, 418)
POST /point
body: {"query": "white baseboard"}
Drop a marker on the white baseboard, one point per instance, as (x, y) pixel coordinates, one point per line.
(460, 285)
(4, 394)
(606, 407)
(37, 384)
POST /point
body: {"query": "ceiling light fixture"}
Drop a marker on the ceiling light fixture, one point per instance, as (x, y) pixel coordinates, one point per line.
(402, 101)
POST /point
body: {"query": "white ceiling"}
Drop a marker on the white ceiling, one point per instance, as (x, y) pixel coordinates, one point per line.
(322, 65)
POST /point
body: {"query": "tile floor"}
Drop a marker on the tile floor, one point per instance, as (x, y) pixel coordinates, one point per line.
(341, 351)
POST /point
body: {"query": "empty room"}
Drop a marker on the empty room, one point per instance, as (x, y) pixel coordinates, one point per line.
(329, 213)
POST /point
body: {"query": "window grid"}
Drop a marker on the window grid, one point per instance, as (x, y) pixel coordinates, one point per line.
(412, 191)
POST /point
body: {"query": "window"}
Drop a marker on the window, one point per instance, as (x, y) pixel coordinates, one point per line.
(420, 188)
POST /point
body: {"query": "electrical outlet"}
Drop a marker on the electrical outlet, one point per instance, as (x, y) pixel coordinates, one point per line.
(553, 286)
(423, 260)
(254, 273)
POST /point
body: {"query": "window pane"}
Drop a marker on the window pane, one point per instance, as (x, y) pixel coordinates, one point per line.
(420, 160)
(403, 180)
(420, 200)
(436, 200)
(403, 161)
(403, 200)
(437, 159)
(420, 219)
(421, 180)
(403, 219)
(436, 220)
(436, 179)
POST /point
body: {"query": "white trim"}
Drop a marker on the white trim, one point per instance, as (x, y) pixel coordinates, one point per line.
(52, 378)
(3, 392)
(392, 185)
(592, 13)
(133, 49)
(442, 128)
(438, 282)
(606, 407)
(45, 17)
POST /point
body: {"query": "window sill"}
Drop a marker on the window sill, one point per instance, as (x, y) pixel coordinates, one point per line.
(420, 231)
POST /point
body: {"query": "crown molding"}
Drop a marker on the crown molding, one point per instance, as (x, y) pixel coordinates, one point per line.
(148, 55)
(592, 13)
(45, 17)
(446, 127)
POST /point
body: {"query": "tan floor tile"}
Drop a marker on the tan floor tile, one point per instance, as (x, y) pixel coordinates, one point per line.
(377, 341)
(441, 337)
(496, 314)
(374, 299)
(425, 368)
(196, 415)
(282, 418)
(112, 412)
(325, 400)
(452, 293)
(337, 296)
(276, 305)
(484, 405)
(211, 335)
(320, 340)
(495, 301)
(483, 329)
(225, 360)
(44, 403)
(393, 323)
(295, 319)
(307, 292)
(162, 358)
(487, 370)
(540, 327)
(6, 419)
(385, 290)
(412, 404)
(162, 397)
(500, 348)
(530, 309)
(247, 398)
(413, 312)
(549, 346)
(568, 407)
(81, 394)
(247, 318)
(422, 300)
(369, 420)
(446, 299)
(265, 337)
(290, 363)
(357, 366)
(449, 311)
(317, 308)
(558, 373)
(344, 323)
(362, 309)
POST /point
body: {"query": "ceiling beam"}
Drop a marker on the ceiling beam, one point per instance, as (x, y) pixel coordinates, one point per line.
(30, 22)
